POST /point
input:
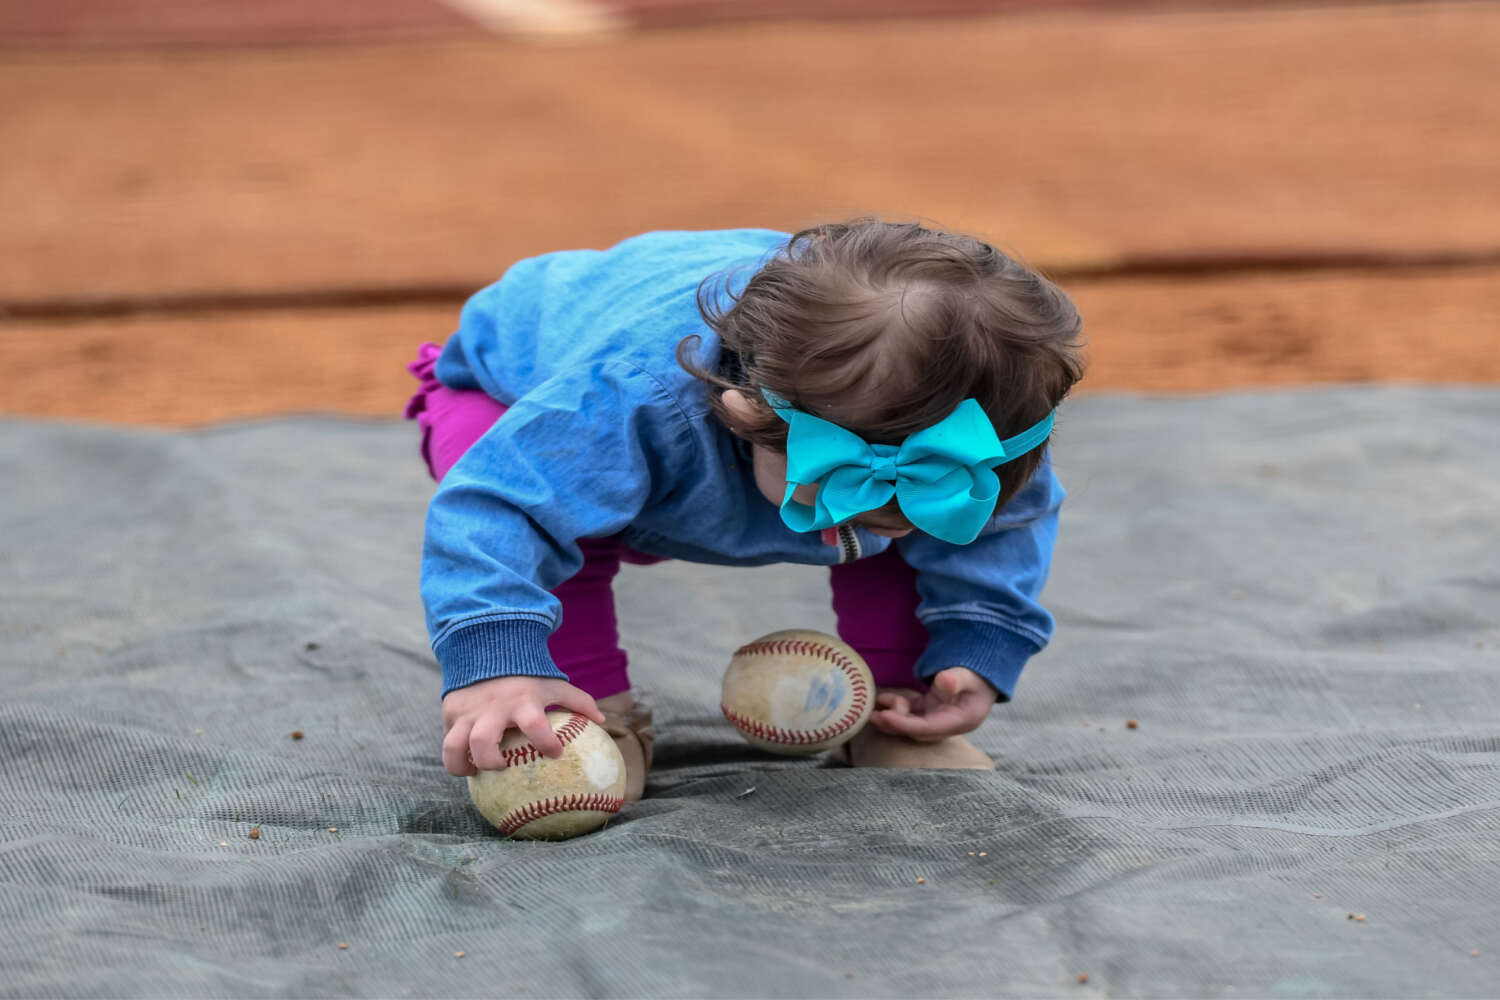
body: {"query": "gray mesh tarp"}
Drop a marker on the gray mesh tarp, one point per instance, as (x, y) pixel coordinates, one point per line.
(1295, 593)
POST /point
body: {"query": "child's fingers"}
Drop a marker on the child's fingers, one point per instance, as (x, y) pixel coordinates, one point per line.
(534, 724)
(456, 750)
(887, 722)
(484, 742)
(917, 727)
(935, 725)
(581, 702)
(946, 686)
(893, 702)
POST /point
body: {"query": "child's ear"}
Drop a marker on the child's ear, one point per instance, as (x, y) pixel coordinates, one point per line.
(741, 409)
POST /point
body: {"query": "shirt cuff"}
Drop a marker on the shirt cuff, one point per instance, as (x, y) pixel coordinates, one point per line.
(503, 647)
(997, 654)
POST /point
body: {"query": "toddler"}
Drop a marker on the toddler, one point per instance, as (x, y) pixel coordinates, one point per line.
(869, 396)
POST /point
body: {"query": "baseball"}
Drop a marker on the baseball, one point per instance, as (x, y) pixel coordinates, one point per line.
(797, 692)
(538, 798)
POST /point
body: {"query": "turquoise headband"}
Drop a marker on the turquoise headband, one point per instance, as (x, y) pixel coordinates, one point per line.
(941, 477)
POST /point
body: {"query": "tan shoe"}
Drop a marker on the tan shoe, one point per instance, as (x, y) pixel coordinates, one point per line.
(872, 748)
(630, 724)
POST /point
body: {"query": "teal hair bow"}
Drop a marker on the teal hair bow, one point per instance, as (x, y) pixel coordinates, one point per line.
(943, 477)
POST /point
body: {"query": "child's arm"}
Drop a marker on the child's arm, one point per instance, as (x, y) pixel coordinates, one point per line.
(980, 605)
(578, 457)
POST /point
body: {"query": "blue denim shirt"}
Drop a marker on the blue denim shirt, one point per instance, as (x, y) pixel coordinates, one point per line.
(607, 434)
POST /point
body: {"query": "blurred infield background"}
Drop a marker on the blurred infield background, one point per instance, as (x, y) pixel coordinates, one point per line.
(213, 210)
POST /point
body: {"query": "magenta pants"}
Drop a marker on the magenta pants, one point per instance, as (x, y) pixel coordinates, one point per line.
(874, 599)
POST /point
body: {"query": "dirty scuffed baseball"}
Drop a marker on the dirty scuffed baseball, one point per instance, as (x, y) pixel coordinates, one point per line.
(540, 798)
(797, 691)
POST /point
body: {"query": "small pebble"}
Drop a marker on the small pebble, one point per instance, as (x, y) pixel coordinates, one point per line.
(333, 829)
(296, 734)
(1083, 977)
(343, 946)
(223, 843)
(1132, 724)
(458, 954)
(920, 881)
(984, 854)
(254, 834)
(1317, 895)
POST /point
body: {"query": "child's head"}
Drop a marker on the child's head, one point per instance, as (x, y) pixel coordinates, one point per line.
(884, 328)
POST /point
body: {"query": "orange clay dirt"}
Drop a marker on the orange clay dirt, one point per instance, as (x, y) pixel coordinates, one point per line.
(1163, 335)
(208, 233)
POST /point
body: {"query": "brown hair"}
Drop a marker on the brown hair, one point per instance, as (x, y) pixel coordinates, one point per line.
(884, 328)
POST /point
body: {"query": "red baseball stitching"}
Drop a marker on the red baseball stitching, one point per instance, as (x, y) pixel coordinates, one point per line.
(803, 647)
(592, 802)
(526, 753)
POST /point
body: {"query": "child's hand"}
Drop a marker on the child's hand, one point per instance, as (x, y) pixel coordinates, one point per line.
(957, 703)
(477, 716)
